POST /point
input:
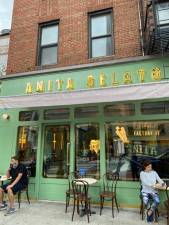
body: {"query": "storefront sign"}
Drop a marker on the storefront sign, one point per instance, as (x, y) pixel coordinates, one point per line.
(91, 81)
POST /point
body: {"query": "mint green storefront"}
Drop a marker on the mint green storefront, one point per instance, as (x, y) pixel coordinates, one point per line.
(98, 118)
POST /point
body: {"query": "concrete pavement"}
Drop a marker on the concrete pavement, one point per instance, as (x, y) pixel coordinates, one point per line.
(52, 213)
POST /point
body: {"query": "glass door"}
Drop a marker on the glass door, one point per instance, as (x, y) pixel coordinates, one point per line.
(56, 154)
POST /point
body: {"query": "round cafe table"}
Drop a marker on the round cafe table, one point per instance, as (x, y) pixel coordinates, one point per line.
(3, 178)
(90, 181)
(160, 187)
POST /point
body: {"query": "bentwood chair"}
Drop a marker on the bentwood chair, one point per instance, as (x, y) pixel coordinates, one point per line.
(22, 191)
(109, 190)
(69, 191)
(80, 195)
(142, 208)
(167, 205)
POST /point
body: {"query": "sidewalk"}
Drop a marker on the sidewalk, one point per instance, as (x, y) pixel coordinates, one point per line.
(51, 213)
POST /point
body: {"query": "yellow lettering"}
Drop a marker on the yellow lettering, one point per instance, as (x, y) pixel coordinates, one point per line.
(141, 73)
(70, 85)
(59, 84)
(50, 85)
(28, 88)
(127, 78)
(156, 74)
(90, 81)
(40, 87)
(102, 80)
(114, 82)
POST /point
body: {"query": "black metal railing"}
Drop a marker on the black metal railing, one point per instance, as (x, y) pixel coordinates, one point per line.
(156, 34)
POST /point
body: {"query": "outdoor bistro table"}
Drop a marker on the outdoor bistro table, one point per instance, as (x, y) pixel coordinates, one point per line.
(163, 188)
(160, 187)
(90, 181)
(3, 178)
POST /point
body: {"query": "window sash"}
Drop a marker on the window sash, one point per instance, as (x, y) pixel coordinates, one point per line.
(162, 10)
(41, 54)
(47, 45)
(106, 30)
(44, 34)
(108, 35)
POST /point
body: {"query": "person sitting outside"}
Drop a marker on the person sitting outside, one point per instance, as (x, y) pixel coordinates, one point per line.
(149, 178)
(19, 180)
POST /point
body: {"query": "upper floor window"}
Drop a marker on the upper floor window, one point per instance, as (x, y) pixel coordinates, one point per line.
(100, 25)
(48, 44)
(163, 13)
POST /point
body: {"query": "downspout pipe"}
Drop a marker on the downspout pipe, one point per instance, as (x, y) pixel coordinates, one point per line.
(141, 25)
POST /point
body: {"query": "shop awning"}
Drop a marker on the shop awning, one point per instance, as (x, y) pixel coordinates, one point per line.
(110, 94)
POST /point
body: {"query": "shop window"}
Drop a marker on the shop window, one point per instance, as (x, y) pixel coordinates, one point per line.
(162, 11)
(149, 108)
(53, 114)
(28, 116)
(27, 142)
(56, 151)
(128, 144)
(100, 30)
(119, 110)
(84, 112)
(87, 161)
(48, 43)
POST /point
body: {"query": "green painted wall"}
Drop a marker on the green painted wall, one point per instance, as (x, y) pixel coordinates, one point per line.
(79, 76)
(54, 189)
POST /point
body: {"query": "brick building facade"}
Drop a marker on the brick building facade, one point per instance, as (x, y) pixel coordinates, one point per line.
(85, 93)
(73, 39)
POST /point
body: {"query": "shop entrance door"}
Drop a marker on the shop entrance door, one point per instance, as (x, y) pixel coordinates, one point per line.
(56, 151)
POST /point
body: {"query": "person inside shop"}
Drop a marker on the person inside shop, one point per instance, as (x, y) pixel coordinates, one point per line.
(18, 180)
(149, 178)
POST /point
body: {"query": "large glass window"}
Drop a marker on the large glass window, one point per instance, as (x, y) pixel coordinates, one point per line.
(56, 151)
(48, 45)
(128, 144)
(163, 13)
(119, 110)
(100, 34)
(28, 116)
(84, 112)
(149, 108)
(88, 150)
(53, 114)
(27, 147)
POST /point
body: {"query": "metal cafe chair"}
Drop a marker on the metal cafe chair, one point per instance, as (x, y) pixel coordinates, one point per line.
(167, 204)
(109, 190)
(69, 191)
(24, 190)
(142, 208)
(80, 195)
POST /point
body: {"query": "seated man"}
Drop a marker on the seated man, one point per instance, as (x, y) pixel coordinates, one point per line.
(149, 178)
(19, 181)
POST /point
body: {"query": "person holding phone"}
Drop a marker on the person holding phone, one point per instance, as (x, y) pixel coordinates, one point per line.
(149, 178)
(19, 180)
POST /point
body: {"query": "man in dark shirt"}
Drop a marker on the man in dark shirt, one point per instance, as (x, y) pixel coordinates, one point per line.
(19, 180)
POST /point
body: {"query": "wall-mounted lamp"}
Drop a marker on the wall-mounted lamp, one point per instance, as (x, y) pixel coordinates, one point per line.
(5, 116)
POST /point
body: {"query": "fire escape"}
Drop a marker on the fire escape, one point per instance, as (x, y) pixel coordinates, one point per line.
(156, 27)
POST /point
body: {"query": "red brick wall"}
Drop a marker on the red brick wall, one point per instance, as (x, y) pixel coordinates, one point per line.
(73, 30)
